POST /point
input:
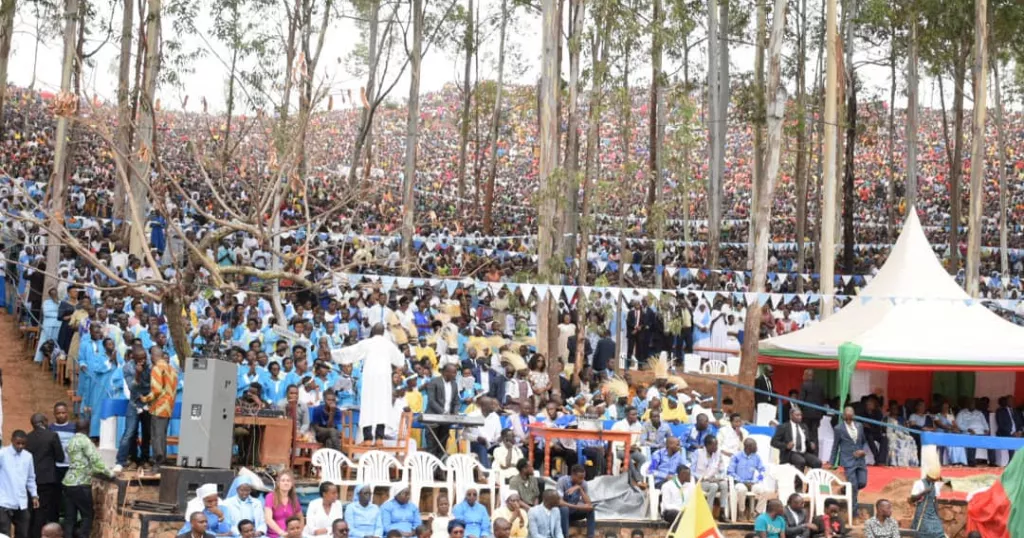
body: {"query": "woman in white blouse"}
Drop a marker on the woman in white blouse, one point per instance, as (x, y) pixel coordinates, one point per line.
(323, 511)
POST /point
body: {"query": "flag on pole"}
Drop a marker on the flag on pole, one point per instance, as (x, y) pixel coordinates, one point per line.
(695, 520)
(998, 511)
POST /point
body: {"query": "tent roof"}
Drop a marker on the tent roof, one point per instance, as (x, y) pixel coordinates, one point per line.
(915, 316)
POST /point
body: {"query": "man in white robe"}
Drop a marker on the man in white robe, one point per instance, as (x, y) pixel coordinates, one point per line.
(378, 354)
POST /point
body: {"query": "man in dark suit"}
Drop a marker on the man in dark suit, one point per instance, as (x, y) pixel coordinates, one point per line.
(46, 450)
(812, 393)
(794, 444)
(764, 382)
(490, 378)
(798, 519)
(636, 333)
(442, 399)
(850, 448)
(874, 435)
(1008, 420)
(604, 355)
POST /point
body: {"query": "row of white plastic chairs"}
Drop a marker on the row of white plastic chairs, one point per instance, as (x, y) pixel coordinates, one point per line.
(818, 485)
(419, 470)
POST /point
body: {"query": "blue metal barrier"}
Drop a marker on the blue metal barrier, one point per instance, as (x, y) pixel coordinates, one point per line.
(972, 441)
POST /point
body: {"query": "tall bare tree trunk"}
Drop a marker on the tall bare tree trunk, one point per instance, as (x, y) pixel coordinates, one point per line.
(546, 232)
(124, 110)
(139, 194)
(1004, 262)
(366, 118)
(716, 123)
(466, 94)
(828, 214)
(801, 146)
(757, 169)
(492, 171)
(55, 190)
(849, 199)
(412, 139)
(980, 69)
(911, 133)
(656, 128)
(775, 108)
(956, 162)
(7, 11)
(572, 141)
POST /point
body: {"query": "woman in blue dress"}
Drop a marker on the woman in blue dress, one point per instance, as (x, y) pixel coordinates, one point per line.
(363, 516)
(156, 232)
(108, 382)
(50, 329)
(399, 513)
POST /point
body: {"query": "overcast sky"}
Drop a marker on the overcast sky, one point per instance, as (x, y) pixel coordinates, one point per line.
(439, 67)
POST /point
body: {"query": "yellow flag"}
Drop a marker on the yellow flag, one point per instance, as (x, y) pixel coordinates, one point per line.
(695, 520)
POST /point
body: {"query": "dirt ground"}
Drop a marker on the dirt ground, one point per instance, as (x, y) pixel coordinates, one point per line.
(26, 388)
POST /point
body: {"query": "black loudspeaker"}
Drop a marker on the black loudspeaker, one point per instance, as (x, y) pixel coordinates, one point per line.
(178, 484)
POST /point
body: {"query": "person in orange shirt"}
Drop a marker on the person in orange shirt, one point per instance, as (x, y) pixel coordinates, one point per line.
(163, 385)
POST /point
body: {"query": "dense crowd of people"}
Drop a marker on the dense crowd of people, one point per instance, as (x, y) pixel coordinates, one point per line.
(447, 349)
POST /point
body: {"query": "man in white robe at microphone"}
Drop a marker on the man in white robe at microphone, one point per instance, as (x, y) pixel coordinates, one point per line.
(378, 355)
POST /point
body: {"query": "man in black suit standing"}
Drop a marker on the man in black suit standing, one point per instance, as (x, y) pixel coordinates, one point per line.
(604, 355)
(794, 444)
(812, 393)
(46, 450)
(1008, 420)
(764, 382)
(636, 333)
(442, 399)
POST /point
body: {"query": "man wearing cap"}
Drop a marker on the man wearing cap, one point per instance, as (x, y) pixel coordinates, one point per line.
(207, 503)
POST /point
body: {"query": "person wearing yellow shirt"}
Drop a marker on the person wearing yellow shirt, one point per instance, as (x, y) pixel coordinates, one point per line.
(673, 411)
(425, 351)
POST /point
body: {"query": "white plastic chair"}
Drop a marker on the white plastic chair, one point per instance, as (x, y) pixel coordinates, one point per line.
(375, 469)
(421, 467)
(785, 475)
(461, 477)
(691, 363)
(714, 367)
(654, 494)
(330, 465)
(822, 488)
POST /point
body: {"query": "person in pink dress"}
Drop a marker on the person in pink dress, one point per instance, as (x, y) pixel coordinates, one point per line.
(281, 504)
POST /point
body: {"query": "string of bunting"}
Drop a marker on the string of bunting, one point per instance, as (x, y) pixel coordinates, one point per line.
(570, 293)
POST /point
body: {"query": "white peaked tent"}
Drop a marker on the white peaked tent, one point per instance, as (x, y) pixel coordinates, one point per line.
(911, 316)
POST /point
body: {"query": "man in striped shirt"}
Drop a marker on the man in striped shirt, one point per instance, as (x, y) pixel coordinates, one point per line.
(163, 385)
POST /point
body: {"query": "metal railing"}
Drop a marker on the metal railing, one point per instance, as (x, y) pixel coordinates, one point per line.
(800, 403)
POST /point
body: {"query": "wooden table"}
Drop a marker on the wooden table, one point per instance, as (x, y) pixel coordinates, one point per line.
(549, 434)
(275, 438)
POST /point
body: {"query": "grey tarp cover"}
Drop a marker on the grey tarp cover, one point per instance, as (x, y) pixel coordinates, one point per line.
(614, 498)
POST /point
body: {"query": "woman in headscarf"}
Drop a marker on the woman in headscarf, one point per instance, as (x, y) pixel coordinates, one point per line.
(207, 502)
(281, 504)
(474, 515)
(322, 512)
(240, 504)
(363, 516)
(456, 528)
(702, 327)
(399, 513)
(512, 510)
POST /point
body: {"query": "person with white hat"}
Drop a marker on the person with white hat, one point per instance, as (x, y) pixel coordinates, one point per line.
(208, 504)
